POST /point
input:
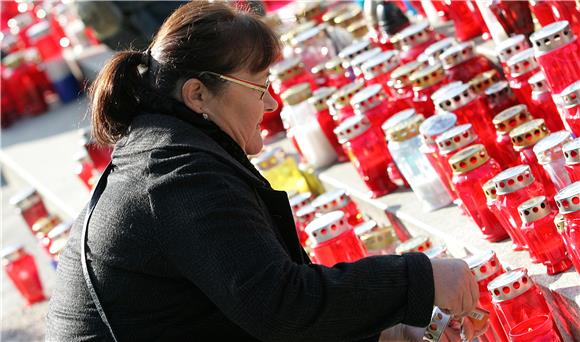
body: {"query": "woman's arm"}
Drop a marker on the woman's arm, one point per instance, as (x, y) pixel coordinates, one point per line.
(212, 229)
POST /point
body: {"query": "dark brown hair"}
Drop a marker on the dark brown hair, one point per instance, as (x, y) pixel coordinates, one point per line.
(197, 37)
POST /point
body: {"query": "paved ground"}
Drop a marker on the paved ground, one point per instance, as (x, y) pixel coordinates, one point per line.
(21, 322)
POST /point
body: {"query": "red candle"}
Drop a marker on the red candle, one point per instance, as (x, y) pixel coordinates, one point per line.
(334, 240)
(558, 54)
(510, 47)
(44, 40)
(338, 200)
(572, 159)
(569, 11)
(491, 202)
(561, 227)
(499, 97)
(514, 16)
(304, 216)
(486, 79)
(377, 70)
(524, 138)
(21, 269)
(543, 239)
(287, 73)
(30, 205)
(504, 123)
(543, 11)
(470, 167)
(400, 83)
(336, 73)
(452, 141)
(319, 100)
(550, 156)
(433, 51)
(418, 244)
(522, 66)
(462, 13)
(20, 84)
(339, 103)
(543, 103)
(536, 329)
(350, 52)
(568, 200)
(413, 40)
(368, 152)
(372, 102)
(425, 82)
(359, 60)
(486, 267)
(462, 64)
(85, 170)
(100, 155)
(570, 107)
(516, 298)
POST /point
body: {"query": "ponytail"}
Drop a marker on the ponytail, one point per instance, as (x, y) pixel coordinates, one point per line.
(114, 97)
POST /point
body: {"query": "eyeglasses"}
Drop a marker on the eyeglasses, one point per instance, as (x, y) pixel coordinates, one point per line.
(262, 89)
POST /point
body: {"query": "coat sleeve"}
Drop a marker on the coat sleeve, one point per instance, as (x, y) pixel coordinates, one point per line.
(212, 228)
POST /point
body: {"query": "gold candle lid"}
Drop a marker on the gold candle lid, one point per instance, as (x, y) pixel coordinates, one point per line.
(310, 10)
(43, 226)
(456, 138)
(296, 94)
(320, 97)
(468, 159)
(334, 66)
(457, 54)
(405, 130)
(419, 243)
(400, 77)
(269, 158)
(348, 18)
(511, 118)
(484, 80)
(329, 16)
(414, 35)
(342, 97)
(291, 34)
(287, 69)
(528, 133)
(427, 77)
(358, 29)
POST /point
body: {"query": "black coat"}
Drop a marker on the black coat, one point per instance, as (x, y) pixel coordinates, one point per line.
(188, 242)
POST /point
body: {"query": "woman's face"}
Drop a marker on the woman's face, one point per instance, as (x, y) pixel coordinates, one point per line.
(238, 110)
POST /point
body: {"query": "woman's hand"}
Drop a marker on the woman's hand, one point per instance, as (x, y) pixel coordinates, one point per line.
(456, 289)
(462, 331)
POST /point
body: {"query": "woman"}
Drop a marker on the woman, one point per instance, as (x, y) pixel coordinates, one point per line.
(187, 241)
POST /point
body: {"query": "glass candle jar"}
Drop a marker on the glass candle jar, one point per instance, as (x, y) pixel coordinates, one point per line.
(320, 75)
(304, 216)
(367, 150)
(336, 72)
(491, 201)
(441, 93)
(516, 298)
(418, 244)
(522, 66)
(287, 73)
(425, 82)
(510, 47)
(542, 10)
(430, 129)
(452, 141)
(504, 123)
(470, 167)
(483, 81)
(524, 138)
(30, 205)
(413, 40)
(313, 46)
(558, 54)
(348, 18)
(58, 238)
(514, 17)
(561, 227)
(21, 269)
(377, 240)
(319, 100)
(541, 235)
(571, 152)
(404, 143)
(372, 103)
(567, 201)
(310, 137)
(569, 11)
(359, 30)
(85, 170)
(334, 240)
(280, 170)
(339, 103)
(338, 200)
(549, 154)
(24, 92)
(486, 267)
(462, 13)
(100, 155)
(40, 36)
(536, 329)
(359, 60)
(297, 202)
(499, 97)
(400, 84)
(462, 64)
(377, 70)
(350, 52)
(570, 104)
(513, 187)
(435, 50)
(543, 103)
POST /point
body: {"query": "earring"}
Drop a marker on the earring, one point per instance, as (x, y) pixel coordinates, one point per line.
(205, 116)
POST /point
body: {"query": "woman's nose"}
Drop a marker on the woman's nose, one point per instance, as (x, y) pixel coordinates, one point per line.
(270, 104)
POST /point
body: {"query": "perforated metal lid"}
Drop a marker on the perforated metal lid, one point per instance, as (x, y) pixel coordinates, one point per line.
(438, 324)
(483, 265)
(346, 19)
(419, 243)
(570, 96)
(269, 158)
(414, 35)
(307, 35)
(25, 199)
(513, 179)
(551, 37)
(522, 63)
(400, 76)
(457, 54)
(329, 16)
(327, 227)
(366, 227)
(489, 190)
(334, 66)
(444, 89)
(560, 223)
(380, 64)
(511, 46)
(534, 209)
(368, 98)
(320, 98)
(342, 97)
(550, 148)
(456, 138)
(484, 80)
(352, 128)
(398, 118)
(427, 77)
(528, 133)
(297, 94)
(405, 130)
(571, 152)
(358, 29)
(359, 60)
(331, 200)
(306, 214)
(539, 83)
(510, 285)
(11, 253)
(437, 252)
(355, 49)
(436, 125)
(435, 50)
(298, 201)
(568, 199)
(497, 92)
(468, 159)
(511, 118)
(38, 30)
(456, 98)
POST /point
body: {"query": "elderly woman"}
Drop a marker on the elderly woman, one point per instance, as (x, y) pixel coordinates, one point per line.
(184, 240)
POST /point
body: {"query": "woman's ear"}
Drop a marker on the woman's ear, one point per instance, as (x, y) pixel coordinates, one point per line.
(193, 95)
